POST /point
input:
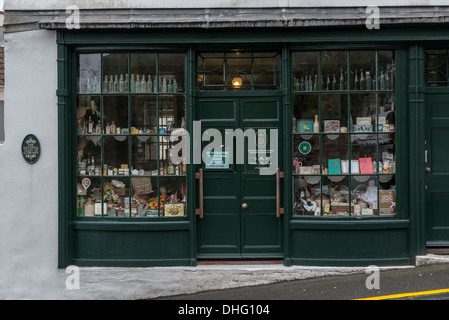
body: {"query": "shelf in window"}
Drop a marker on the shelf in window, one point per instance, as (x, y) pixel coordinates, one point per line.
(343, 174)
(343, 91)
(338, 133)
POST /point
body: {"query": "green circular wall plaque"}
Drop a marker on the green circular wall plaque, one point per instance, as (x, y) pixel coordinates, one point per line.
(305, 147)
(31, 149)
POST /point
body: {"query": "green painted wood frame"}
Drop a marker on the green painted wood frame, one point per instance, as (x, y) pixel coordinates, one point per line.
(410, 68)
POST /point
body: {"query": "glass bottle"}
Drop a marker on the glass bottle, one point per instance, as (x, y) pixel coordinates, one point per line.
(297, 85)
(143, 85)
(387, 81)
(356, 81)
(93, 168)
(111, 84)
(306, 84)
(316, 125)
(126, 83)
(374, 82)
(382, 81)
(367, 80)
(133, 83)
(175, 86)
(116, 88)
(334, 83)
(105, 84)
(122, 84)
(88, 86)
(302, 85)
(149, 84)
(315, 84)
(113, 128)
(138, 85)
(342, 80)
(328, 83)
(310, 83)
(164, 85)
(170, 168)
(98, 127)
(170, 86)
(362, 80)
(90, 127)
(95, 85)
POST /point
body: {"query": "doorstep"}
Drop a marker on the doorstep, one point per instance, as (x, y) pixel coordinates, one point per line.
(431, 258)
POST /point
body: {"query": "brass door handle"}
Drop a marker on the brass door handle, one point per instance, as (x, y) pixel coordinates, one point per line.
(279, 210)
(244, 205)
(428, 169)
(199, 176)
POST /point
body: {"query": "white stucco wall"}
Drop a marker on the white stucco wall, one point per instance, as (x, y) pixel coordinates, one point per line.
(29, 193)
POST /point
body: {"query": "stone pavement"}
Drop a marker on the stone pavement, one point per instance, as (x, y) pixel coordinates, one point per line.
(156, 282)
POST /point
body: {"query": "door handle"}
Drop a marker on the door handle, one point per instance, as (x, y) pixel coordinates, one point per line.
(279, 210)
(244, 205)
(199, 176)
(428, 169)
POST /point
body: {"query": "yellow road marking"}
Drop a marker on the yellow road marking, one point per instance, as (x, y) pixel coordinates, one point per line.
(403, 295)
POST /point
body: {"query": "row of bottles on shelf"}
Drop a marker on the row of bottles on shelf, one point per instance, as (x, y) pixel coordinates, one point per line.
(116, 84)
(111, 128)
(89, 167)
(365, 81)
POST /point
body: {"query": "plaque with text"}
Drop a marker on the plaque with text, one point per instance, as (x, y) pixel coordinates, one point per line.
(31, 149)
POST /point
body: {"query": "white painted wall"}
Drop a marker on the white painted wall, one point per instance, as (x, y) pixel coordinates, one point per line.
(86, 4)
(29, 193)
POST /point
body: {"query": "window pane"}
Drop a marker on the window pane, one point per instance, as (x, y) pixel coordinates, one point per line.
(334, 196)
(115, 114)
(145, 197)
(363, 70)
(305, 112)
(334, 69)
(436, 67)
(305, 191)
(143, 73)
(116, 197)
(306, 154)
(172, 72)
(334, 110)
(364, 195)
(172, 196)
(144, 155)
(239, 70)
(305, 71)
(144, 113)
(115, 150)
(115, 70)
(89, 73)
(89, 194)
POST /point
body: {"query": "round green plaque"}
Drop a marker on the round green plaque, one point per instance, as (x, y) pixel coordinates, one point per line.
(31, 149)
(305, 147)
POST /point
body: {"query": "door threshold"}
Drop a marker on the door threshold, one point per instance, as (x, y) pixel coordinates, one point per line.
(438, 250)
(215, 262)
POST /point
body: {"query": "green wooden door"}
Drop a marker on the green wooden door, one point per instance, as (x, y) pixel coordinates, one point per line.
(239, 218)
(437, 168)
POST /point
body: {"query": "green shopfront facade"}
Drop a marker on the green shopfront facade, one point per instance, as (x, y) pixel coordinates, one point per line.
(350, 187)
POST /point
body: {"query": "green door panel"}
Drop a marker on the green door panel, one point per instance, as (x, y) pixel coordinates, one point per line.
(224, 109)
(253, 110)
(437, 180)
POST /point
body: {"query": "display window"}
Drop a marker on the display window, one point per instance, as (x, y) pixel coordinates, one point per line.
(128, 105)
(344, 133)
